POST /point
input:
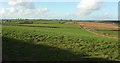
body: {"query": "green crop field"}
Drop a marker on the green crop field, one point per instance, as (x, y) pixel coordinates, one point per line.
(56, 41)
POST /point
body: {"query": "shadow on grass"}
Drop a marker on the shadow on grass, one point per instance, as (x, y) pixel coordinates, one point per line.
(36, 26)
(18, 50)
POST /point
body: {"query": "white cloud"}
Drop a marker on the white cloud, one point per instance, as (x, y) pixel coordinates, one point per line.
(20, 4)
(2, 11)
(21, 9)
(86, 7)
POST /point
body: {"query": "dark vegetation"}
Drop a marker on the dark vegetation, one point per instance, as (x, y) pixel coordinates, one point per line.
(34, 52)
(19, 50)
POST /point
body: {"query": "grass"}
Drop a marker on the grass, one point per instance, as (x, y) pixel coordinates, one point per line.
(118, 24)
(68, 42)
(25, 51)
(111, 32)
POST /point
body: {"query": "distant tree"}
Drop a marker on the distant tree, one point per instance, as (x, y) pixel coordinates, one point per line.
(70, 20)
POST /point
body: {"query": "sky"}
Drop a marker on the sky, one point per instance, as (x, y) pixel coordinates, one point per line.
(62, 9)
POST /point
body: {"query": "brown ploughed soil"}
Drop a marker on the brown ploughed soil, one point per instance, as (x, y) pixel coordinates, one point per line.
(95, 25)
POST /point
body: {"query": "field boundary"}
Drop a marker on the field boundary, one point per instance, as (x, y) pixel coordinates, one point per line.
(100, 34)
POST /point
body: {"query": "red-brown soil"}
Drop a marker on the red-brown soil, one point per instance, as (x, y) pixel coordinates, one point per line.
(96, 25)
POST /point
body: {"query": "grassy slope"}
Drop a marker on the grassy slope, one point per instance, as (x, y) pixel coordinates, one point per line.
(111, 32)
(73, 39)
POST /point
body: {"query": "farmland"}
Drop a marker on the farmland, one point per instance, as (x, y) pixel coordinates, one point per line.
(54, 40)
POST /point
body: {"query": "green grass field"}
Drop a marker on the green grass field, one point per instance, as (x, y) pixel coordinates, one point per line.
(111, 32)
(54, 41)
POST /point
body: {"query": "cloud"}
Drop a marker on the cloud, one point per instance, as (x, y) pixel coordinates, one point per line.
(21, 4)
(86, 7)
(2, 11)
(106, 16)
(21, 9)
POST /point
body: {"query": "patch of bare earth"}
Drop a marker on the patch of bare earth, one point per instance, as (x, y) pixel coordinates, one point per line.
(96, 25)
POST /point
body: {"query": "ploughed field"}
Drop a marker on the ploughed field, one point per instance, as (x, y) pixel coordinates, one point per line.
(97, 25)
(56, 41)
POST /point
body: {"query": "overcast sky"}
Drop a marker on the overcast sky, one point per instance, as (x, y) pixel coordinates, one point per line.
(62, 9)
